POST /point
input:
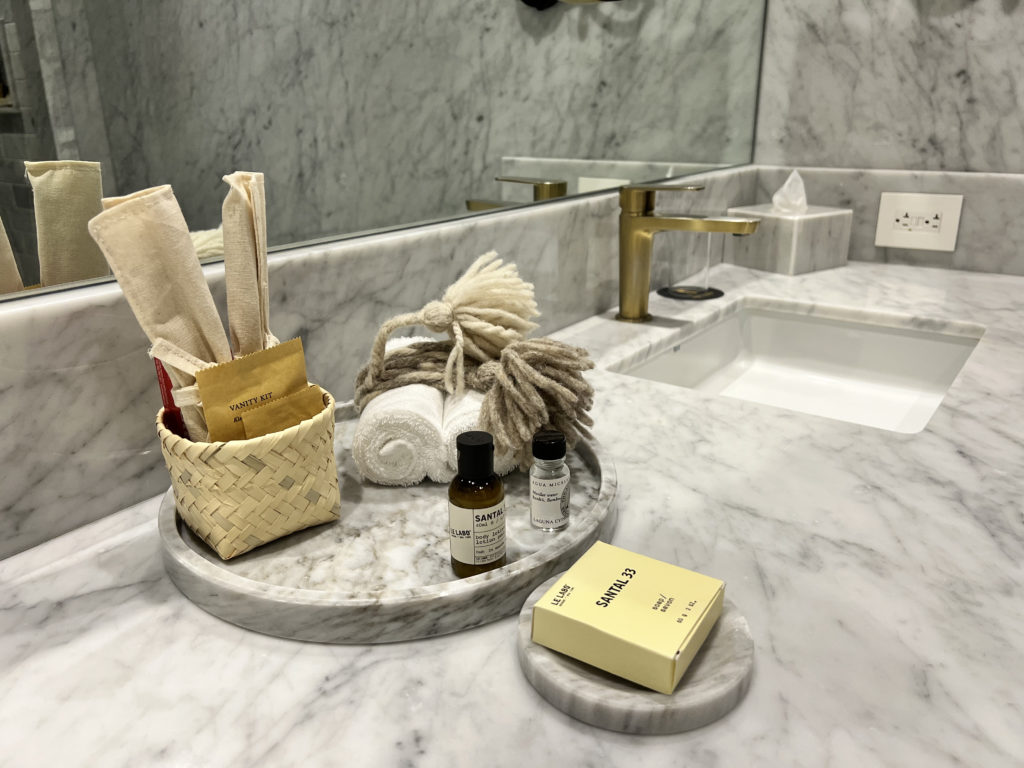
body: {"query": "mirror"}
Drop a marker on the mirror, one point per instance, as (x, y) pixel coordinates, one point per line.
(371, 114)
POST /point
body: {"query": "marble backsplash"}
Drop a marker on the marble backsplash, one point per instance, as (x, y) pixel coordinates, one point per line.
(78, 390)
(990, 229)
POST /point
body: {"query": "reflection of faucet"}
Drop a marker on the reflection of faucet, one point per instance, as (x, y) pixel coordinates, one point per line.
(637, 226)
(543, 189)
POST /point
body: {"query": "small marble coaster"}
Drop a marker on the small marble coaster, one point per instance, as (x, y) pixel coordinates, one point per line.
(714, 684)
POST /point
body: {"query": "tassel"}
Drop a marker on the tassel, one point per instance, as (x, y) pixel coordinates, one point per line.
(537, 384)
(482, 312)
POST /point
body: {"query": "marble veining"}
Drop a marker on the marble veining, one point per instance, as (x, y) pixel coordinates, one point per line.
(392, 539)
(382, 573)
(881, 575)
(791, 244)
(934, 86)
(990, 229)
(386, 111)
(711, 687)
(80, 391)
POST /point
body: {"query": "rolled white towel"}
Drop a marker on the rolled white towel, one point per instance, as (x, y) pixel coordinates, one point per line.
(398, 437)
(209, 243)
(462, 414)
(404, 341)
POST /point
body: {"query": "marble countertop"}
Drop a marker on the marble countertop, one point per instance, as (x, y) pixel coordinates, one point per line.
(882, 575)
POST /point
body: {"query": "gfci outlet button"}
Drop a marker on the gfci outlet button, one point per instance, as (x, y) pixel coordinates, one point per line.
(927, 222)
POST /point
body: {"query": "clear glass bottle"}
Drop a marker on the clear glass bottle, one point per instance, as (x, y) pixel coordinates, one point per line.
(476, 508)
(549, 482)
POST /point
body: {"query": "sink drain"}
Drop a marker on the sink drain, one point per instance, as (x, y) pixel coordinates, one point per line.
(690, 293)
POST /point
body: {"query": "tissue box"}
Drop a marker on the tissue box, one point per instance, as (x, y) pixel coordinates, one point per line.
(633, 616)
(792, 243)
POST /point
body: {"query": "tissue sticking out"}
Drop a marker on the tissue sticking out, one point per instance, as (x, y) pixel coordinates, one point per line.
(791, 197)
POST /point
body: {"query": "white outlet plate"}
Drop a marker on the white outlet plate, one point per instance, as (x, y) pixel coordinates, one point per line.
(910, 220)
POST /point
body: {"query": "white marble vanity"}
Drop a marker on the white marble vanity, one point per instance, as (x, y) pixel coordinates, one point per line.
(882, 575)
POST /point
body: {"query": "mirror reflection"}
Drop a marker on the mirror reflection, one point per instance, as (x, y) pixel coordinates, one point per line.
(363, 115)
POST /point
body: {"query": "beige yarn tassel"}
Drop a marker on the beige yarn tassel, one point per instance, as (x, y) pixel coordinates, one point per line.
(482, 312)
(537, 384)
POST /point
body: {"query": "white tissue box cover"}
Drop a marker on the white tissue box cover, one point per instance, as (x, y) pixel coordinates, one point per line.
(792, 243)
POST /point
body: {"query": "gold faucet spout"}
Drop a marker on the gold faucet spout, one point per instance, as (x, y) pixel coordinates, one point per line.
(638, 223)
(733, 225)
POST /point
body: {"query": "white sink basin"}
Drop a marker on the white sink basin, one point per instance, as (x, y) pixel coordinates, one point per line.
(862, 367)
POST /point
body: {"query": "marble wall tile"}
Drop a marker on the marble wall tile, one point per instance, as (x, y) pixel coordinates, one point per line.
(917, 85)
(85, 115)
(371, 112)
(25, 134)
(78, 391)
(52, 74)
(991, 228)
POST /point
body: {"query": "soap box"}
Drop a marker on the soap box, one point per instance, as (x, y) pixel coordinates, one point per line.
(792, 243)
(628, 614)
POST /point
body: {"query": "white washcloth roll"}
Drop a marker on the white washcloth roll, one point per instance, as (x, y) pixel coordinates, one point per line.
(209, 243)
(404, 341)
(462, 414)
(10, 277)
(398, 438)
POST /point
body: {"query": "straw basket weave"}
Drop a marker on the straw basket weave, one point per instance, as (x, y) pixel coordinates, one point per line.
(240, 494)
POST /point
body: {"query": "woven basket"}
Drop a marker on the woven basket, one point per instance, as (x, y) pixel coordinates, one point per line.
(240, 494)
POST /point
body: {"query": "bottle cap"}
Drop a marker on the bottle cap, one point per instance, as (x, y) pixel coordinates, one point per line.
(476, 455)
(549, 445)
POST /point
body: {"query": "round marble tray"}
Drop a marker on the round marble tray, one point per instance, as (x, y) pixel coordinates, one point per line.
(382, 573)
(714, 683)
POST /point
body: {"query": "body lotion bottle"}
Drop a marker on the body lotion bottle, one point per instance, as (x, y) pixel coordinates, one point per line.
(476, 508)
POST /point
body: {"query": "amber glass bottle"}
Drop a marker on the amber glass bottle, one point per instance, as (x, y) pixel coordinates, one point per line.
(476, 508)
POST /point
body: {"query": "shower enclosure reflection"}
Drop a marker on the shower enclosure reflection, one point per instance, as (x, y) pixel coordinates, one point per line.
(377, 113)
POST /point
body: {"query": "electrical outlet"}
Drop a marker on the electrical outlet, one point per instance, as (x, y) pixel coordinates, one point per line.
(928, 222)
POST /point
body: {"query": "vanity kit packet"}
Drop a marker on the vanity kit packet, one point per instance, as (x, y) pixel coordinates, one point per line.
(269, 467)
(633, 616)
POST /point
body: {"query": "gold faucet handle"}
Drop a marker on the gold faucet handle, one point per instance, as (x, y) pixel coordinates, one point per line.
(543, 189)
(639, 198)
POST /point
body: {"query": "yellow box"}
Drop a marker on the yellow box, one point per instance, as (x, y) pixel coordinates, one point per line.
(628, 614)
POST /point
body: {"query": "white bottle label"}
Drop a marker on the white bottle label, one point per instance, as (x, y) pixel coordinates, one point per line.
(477, 535)
(549, 502)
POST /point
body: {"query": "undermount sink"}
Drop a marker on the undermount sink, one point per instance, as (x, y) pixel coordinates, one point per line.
(875, 369)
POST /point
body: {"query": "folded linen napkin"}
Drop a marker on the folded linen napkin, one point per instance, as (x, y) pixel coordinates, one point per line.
(462, 414)
(146, 241)
(244, 216)
(66, 194)
(209, 243)
(398, 437)
(10, 277)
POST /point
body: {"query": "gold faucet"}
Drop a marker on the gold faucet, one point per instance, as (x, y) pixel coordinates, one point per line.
(637, 227)
(543, 189)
